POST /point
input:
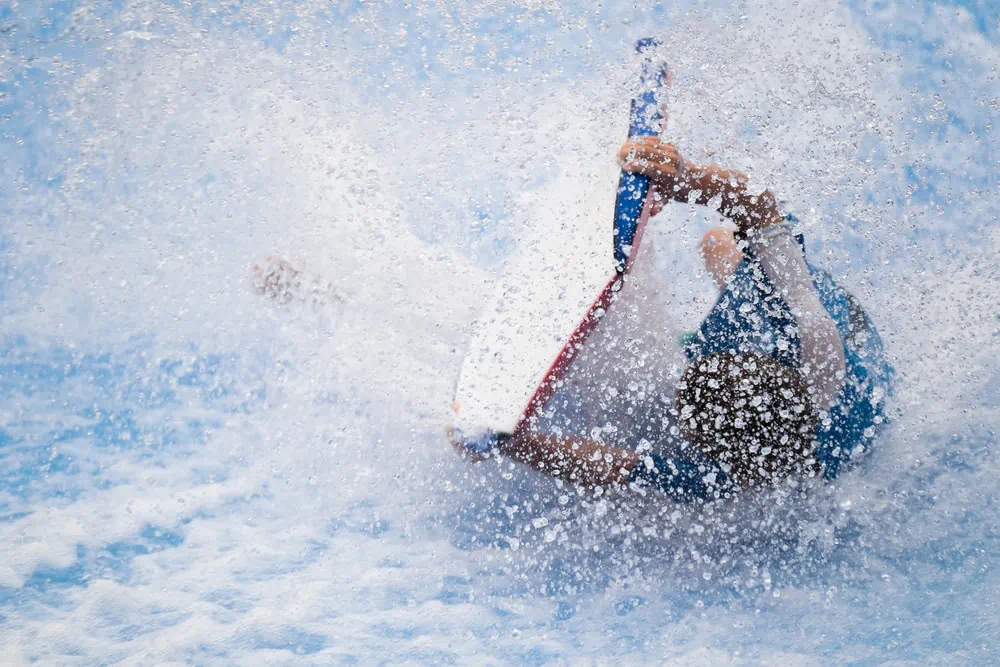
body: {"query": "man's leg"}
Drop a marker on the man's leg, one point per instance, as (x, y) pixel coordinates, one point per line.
(579, 460)
(721, 254)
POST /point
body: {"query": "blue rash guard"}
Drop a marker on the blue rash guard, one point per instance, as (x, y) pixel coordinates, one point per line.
(750, 317)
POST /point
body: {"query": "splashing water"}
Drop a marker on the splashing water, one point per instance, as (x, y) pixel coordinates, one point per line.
(193, 474)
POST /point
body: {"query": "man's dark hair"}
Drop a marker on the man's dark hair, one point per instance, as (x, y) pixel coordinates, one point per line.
(751, 414)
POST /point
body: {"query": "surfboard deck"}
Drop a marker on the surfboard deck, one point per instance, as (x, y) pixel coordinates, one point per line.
(561, 287)
(552, 287)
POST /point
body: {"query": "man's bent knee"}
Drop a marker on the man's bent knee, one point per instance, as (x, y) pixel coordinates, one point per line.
(720, 253)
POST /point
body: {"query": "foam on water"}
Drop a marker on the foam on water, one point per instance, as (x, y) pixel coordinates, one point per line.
(191, 475)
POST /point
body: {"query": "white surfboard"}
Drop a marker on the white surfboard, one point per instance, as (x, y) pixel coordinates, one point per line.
(546, 291)
(566, 328)
(564, 315)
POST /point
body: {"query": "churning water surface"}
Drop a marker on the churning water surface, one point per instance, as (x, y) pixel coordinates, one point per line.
(190, 474)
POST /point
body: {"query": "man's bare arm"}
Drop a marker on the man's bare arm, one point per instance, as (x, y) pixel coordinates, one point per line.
(680, 180)
(749, 211)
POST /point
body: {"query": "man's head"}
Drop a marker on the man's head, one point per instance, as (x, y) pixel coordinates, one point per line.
(751, 414)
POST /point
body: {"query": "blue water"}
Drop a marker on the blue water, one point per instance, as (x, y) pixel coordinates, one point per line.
(189, 473)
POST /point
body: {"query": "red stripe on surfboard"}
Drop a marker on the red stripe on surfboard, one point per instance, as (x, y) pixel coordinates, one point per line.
(583, 330)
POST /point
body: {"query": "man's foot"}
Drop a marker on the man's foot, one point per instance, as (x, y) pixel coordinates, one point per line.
(478, 447)
(278, 280)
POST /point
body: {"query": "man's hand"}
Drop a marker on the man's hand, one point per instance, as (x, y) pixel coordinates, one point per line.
(677, 179)
(658, 160)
